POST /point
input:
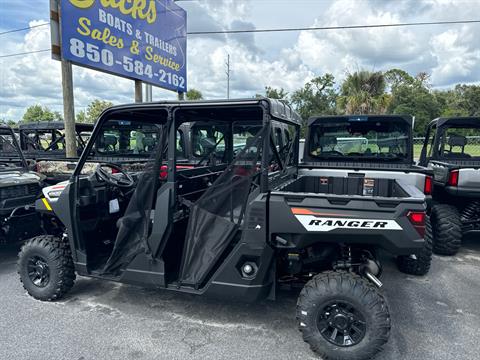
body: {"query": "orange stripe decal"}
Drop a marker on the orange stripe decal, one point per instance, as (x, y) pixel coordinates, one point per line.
(302, 211)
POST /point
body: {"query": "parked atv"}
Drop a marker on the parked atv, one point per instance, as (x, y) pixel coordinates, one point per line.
(452, 151)
(19, 189)
(373, 150)
(233, 224)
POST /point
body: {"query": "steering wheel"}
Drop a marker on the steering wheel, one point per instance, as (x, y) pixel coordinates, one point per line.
(124, 181)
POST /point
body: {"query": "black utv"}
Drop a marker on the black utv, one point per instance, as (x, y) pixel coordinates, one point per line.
(452, 151)
(233, 224)
(19, 188)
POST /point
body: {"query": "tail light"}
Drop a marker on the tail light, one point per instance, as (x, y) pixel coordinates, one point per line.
(427, 189)
(417, 218)
(453, 178)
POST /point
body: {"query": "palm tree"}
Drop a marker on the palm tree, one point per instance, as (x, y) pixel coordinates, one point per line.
(363, 92)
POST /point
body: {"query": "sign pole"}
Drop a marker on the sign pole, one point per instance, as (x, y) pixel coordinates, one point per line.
(68, 109)
(67, 86)
(138, 91)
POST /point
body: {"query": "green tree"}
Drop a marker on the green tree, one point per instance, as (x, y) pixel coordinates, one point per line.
(463, 100)
(363, 92)
(39, 113)
(94, 109)
(274, 93)
(414, 97)
(398, 77)
(81, 117)
(194, 94)
(317, 97)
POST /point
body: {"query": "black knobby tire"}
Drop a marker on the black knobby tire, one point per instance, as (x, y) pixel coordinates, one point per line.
(361, 298)
(447, 229)
(421, 264)
(45, 266)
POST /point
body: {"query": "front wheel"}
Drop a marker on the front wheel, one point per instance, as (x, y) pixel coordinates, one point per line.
(45, 266)
(342, 316)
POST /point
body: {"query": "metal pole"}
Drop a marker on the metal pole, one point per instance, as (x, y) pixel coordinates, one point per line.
(138, 91)
(181, 96)
(69, 110)
(228, 75)
(148, 92)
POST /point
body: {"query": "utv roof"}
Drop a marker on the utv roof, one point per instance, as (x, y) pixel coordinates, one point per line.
(459, 120)
(5, 127)
(276, 108)
(54, 125)
(313, 119)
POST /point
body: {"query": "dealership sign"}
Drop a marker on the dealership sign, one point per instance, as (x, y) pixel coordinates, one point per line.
(137, 39)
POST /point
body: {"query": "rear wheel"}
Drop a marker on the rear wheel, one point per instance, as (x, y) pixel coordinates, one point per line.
(342, 316)
(419, 263)
(45, 266)
(447, 229)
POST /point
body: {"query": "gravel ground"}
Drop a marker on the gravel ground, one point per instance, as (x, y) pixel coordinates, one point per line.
(435, 317)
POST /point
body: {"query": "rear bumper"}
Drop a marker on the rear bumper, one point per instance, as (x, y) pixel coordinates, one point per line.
(309, 221)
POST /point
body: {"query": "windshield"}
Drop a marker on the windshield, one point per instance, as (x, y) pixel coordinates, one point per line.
(360, 138)
(459, 142)
(121, 138)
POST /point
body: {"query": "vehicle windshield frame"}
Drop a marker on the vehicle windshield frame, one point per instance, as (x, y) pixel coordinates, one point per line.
(403, 125)
(145, 113)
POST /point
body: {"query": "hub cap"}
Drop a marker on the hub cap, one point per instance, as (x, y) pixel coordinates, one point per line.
(38, 271)
(341, 324)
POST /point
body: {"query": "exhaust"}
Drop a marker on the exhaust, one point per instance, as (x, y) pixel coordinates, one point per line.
(373, 279)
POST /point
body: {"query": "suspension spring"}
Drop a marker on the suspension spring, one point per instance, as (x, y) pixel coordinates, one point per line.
(471, 212)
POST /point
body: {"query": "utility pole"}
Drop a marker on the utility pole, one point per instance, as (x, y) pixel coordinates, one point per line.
(227, 71)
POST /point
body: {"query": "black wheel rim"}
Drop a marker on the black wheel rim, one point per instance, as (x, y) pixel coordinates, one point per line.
(38, 271)
(341, 324)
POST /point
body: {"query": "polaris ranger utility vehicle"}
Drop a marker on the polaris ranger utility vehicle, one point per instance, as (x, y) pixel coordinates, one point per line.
(235, 227)
(452, 151)
(19, 189)
(373, 149)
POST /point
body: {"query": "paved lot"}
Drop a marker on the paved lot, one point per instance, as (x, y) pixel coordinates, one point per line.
(437, 317)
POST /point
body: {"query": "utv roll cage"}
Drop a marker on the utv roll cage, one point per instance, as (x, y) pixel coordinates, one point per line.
(437, 128)
(31, 142)
(18, 158)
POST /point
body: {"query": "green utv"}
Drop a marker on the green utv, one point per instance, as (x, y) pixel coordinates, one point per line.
(452, 151)
(230, 224)
(19, 188)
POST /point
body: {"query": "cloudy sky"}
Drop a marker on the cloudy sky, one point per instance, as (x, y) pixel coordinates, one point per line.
(450, 53)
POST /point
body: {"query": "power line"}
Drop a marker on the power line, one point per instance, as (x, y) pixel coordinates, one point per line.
(346, 27)
(22, 29)
(424, 23)
(24, 53)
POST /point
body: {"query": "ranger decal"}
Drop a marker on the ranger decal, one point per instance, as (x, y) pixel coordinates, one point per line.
(317, 223)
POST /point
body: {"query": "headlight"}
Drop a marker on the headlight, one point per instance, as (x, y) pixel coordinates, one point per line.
(54, 194)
